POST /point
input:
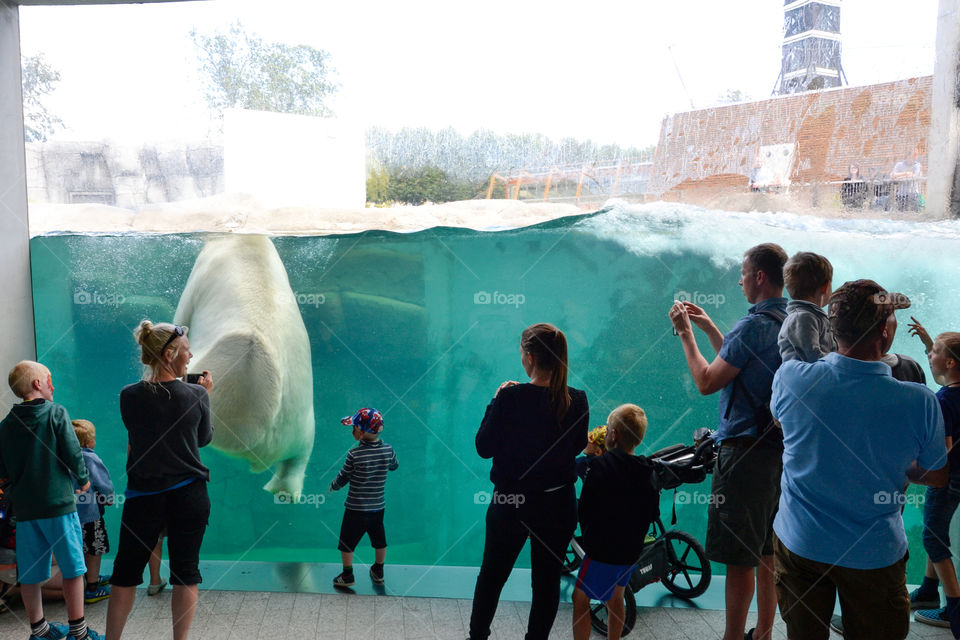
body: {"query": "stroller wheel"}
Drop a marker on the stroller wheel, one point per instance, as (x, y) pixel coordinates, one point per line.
(688, 570)
(599, 614)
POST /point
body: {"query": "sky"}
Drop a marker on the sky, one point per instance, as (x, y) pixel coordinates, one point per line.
(607, 70)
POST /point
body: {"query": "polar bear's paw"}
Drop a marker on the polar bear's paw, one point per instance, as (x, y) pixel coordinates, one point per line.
(287, 480)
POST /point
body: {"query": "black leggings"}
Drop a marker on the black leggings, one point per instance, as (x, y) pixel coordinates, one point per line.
(549, 519)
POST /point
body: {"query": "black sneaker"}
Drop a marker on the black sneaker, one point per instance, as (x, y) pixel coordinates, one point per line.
(749, 634)
(344, 580)
(836, 624)
(376, 574)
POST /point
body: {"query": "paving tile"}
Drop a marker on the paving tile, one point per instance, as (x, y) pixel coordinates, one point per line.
(224, 615)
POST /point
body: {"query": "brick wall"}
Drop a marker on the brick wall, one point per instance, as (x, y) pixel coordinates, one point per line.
(714, 150)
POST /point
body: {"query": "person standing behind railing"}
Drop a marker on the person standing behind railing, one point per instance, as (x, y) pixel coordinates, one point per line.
(906, 174)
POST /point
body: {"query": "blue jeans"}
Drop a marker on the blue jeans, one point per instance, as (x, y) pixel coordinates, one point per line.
(937, 512)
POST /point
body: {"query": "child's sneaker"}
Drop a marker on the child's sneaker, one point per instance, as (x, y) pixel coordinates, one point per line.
(154, 589)
(103, 580)
(344, 580)
(56, 632)
(96, 595)
(936, 617)
(920, 600)
(376, 574)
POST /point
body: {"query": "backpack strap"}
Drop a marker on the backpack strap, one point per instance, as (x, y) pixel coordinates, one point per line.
(777, 316)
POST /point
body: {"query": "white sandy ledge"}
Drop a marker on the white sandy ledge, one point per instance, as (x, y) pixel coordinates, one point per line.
(243, 214)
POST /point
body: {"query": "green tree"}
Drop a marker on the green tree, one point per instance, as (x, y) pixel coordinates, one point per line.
(241, 70)
(427, 184)
(733, 95)
(39, 79)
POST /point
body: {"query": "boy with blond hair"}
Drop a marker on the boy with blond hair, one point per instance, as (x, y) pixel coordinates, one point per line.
(90, 508)
(40, 455)
(806, 333)
(619, 501)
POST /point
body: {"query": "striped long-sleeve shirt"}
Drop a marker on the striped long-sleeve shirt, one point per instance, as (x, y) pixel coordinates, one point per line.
(366, 470)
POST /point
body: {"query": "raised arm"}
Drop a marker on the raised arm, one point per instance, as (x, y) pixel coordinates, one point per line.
(700, 319)
(917, 329)
(489, 436)
(709, 377)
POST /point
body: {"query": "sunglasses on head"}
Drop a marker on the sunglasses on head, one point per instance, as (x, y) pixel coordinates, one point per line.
(176, 333)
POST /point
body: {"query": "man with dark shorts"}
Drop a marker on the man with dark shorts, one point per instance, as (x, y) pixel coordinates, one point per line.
(746, 481)
(852, 435)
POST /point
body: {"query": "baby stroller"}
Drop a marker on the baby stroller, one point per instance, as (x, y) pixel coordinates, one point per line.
(673, 557)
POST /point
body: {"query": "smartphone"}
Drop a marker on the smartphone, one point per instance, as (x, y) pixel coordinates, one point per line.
(193, 378)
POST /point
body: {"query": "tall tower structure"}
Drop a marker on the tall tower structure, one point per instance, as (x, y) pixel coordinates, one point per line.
(811, 46)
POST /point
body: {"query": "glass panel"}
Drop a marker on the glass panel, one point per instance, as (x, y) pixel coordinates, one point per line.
(592, 169)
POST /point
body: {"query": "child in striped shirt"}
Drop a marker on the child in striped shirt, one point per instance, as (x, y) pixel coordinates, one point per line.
(366, 471)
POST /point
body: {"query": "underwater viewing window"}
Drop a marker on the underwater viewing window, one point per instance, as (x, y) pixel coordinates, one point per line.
(385, 196)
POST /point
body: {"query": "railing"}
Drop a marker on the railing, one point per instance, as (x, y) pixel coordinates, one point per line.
(606, 180)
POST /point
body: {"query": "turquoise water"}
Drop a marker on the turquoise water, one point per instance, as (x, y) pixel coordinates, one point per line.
(426, 325)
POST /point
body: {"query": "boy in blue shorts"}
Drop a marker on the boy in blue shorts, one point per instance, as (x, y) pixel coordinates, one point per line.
(940, 504)
(618, 502)
(38, 453)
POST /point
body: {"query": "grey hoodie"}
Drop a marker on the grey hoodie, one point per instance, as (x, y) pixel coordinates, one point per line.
(806, 333)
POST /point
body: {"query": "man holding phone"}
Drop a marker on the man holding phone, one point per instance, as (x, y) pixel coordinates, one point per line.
(746, 481)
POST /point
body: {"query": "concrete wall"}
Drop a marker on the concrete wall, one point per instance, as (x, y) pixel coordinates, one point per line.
(129, 177)
(944, 181)
(712, 150)
(18, 341)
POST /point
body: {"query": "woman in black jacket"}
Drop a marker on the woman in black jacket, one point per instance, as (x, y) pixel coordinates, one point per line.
(533, 432)
(168, 421)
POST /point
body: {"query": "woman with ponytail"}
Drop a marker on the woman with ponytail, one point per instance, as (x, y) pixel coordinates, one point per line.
(167, 422)
(533, 432)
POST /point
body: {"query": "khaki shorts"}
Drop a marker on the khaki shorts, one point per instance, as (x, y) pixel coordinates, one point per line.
(744, 498)
(874, 602)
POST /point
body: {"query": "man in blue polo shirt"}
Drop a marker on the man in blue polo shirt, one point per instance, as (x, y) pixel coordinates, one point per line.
(852, 435)
(746, 480)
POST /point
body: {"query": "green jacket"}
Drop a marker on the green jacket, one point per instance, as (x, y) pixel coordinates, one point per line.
(38, 453)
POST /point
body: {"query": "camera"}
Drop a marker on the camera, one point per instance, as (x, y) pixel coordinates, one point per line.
(193, 378)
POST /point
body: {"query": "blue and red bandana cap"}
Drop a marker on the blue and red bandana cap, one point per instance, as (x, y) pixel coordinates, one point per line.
(367, 420)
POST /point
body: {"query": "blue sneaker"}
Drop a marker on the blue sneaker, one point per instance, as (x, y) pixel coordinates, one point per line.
(56, 632)
(920, 600)
(103, 580)
(936, 617)
(96, 595)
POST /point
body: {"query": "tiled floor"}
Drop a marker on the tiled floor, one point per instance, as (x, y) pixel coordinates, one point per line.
(225, 615)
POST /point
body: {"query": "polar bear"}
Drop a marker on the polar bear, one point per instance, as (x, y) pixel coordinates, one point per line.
(246, 329)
